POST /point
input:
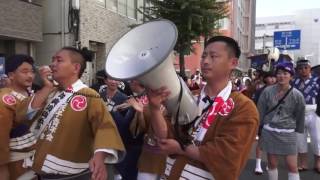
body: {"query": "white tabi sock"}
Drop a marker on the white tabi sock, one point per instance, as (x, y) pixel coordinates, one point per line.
(293, 176)
(273, 174)
(258, 165)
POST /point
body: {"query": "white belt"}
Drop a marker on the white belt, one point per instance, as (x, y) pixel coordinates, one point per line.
(311, 108)
(189, 171)
(267, 127)
(16, 156)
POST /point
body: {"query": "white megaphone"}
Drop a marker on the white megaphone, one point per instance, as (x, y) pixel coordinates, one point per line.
(145, 54)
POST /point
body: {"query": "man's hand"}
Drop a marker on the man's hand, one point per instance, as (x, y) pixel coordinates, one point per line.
(42, 95)
(46, 75)
(169, 146)
(157, 97)
(97, 166)
(135, 104)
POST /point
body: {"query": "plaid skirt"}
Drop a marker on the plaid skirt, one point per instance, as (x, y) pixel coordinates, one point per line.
(279, 143)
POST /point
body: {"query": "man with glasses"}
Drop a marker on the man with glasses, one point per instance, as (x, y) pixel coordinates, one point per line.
(309, 87)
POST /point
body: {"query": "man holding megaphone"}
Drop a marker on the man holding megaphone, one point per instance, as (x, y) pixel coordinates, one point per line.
(221, 138)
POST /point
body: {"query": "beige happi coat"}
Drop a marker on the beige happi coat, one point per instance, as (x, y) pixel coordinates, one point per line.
(13, 113)
(69, 142)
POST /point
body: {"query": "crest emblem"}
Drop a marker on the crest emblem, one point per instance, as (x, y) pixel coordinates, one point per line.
(78, 103)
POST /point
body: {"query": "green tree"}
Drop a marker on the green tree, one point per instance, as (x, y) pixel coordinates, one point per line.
(193, 18)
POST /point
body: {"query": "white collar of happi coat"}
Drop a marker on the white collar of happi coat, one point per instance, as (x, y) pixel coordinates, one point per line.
(76, 86)
(224, 94)
(18, 95)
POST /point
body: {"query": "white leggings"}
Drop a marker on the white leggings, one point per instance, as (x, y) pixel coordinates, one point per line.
(312, 126)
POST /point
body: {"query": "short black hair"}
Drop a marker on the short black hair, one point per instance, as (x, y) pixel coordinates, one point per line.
(232, 44)
(82, 56)
(13, 62)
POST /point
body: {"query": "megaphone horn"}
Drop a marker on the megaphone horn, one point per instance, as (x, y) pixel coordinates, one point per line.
(145, 53)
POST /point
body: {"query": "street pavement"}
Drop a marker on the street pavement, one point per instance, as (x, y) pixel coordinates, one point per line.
(248, 172)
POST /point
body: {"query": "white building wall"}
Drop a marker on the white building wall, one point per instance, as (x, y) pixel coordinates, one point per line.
(308, 21)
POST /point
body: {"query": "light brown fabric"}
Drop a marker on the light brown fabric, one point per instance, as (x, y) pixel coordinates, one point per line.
(6, 123)
(80, 133)
(149, 161)
(226, 146)
(10, 116)
(16, 169)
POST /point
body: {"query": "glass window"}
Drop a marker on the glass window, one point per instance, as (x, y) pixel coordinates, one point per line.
(122, 7)
(112, 5)
(132, 9)
(102, 2)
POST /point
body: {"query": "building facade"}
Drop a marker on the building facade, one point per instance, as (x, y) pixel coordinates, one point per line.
(307, 21)
(21, 26)
(96, 24)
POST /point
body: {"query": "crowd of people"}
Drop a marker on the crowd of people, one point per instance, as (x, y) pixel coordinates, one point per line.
(287, 103)
(122, 130)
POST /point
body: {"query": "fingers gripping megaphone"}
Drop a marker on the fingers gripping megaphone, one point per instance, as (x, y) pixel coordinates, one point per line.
(145, 53)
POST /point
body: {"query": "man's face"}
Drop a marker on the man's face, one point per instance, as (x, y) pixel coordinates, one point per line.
(216, 62)
(23, 76)
(283, 77)
(304, 70)
(270, 80)
(111, 83)
(134, 85)
(62, 66)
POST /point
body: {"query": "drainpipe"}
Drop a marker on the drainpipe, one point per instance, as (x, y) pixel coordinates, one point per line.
(62, 23)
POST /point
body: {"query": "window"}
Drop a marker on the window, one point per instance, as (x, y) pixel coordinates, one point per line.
(122, 7)
(102, 3)
(132, 9)
(126, 8)
(112, 5)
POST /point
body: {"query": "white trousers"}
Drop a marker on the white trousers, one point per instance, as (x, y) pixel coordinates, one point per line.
(312, 126)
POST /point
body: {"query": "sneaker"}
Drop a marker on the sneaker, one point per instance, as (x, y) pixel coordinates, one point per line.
(258, 171)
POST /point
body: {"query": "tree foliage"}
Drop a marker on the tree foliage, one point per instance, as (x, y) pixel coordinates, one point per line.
(193, 18)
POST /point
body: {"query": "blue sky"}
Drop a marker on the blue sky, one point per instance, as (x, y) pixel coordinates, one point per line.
(283, 7)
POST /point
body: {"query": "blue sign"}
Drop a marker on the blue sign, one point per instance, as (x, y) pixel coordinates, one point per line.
(287, 40)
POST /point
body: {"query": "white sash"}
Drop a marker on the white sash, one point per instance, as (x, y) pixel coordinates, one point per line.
(74, 88)
(51, 114)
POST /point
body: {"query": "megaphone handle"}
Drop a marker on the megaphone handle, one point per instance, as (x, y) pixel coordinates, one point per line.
(176, 123)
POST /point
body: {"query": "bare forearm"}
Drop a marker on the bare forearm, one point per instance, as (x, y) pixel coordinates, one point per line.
(158, 123)
(40, 98)
(192, 152)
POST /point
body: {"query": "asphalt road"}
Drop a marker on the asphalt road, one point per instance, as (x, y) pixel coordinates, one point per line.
(248, 172)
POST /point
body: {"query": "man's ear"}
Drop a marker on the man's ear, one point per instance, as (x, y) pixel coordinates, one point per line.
(11, 75)
(234, 62)
(77, 67)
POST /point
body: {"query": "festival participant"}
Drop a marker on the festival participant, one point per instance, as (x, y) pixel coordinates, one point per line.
(220, 140)
(77, 135)
(16, 141)
(281, 109)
